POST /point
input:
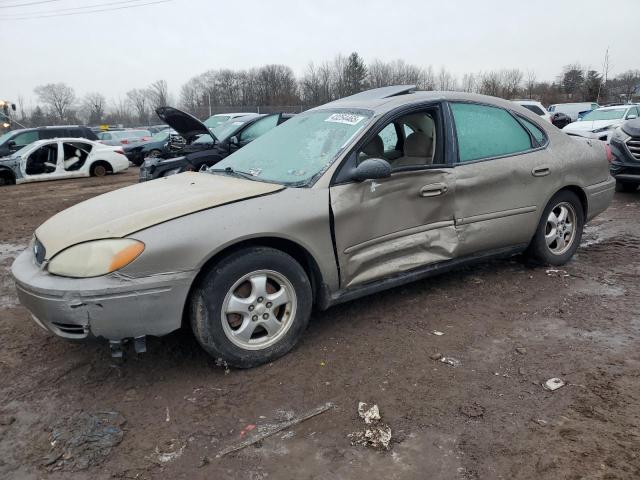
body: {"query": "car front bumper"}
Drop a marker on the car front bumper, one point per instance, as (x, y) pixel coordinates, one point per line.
(113, 306)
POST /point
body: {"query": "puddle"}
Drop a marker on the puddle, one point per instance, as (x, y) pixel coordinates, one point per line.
(9, 251)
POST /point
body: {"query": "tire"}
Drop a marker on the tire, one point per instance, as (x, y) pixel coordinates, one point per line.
(154, 154)
(626, 187)
(543, 248)
(234, 285)
(99, 169)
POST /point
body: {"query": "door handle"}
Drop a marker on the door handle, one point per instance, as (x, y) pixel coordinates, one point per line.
(433, 190)
(540, 171)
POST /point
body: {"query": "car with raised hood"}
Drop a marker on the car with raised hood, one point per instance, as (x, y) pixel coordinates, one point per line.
(359, 195)
(212, 145)
(625, 165)
(61, 158)
(600, 123)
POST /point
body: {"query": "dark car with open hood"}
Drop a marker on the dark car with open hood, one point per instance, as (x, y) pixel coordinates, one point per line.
(210, 145)
(625, 165)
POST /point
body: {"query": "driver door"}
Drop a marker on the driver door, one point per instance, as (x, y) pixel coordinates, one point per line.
(388, 226)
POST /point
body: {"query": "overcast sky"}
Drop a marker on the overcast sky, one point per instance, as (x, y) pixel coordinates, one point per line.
(115, 51)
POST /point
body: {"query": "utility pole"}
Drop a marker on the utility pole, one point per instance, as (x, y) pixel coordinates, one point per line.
(605, 74)
(209, 95)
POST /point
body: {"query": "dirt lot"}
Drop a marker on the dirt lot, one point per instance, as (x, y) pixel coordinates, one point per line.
(511, 326)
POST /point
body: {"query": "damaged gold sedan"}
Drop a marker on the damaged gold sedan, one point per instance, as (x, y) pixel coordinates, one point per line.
(365, 193)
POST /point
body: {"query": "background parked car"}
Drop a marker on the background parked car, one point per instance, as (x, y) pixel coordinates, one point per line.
(214, 120)
(154, 128)
(208, 150)
(625, 146)
(573, 110)
(535, 107)
(124, 137)
(560, 119)
(61, 158)
(16, 139)
(600, 123)
(163, 144)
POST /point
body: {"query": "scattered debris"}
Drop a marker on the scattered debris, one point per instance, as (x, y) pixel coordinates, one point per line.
(167, 418)
(171, 450)
(435, 356)
(553, 384)
(7, 420)
(377, 434)
(522, 371)
(554, 272)
(322, 364)
(265, 431)
(521, 350)
(204, 461)
(438, 333)
(84, 440)
(540, 422)
(472, 410)
(454, 362)
(247, 429)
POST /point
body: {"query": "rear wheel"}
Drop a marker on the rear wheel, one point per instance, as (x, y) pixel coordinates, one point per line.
(559, 231)
(252, 307)
(626, 186)
(99, 169)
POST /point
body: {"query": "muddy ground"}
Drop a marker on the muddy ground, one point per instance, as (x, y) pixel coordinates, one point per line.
(511, 326)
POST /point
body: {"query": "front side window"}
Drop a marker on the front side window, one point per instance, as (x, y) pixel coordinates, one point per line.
(485, 131)
(43, 160)
(300, 149)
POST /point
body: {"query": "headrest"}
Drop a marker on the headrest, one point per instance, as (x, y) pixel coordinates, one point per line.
(418, 144)
(375, 148)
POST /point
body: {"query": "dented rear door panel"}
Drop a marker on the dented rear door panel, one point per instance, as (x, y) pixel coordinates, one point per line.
(393, 225)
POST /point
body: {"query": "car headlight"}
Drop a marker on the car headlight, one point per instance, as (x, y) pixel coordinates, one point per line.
(619, 135)
(600, 130)
(95, 258)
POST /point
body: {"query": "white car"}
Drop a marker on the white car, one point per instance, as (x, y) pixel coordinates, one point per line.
(599, 123)
(60, 158)
(535, 107)
(573, 110)
(214, 120)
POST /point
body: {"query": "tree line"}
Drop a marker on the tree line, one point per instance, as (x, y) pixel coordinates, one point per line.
(276, 86)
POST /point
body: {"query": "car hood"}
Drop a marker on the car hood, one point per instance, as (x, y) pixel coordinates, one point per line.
(632, 127)
(186, 125)
(589, 126)
(122, 212)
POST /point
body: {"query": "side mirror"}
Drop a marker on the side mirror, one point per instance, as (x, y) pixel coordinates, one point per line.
(11, 144)
(631, 117)
(234, 140)
(371, 169)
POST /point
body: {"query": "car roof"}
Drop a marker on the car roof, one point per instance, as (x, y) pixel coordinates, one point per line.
(388, 100)
(64, 139)
(615, 107)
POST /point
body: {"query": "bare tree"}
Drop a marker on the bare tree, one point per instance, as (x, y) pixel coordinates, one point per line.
(93, 106)
(158, 93)
(530, 82)
(445, 81)
(138, 98)
(59, 97)
(468, 83)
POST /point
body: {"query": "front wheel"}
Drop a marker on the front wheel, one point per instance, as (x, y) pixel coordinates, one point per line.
(252, 307)
(559, 231)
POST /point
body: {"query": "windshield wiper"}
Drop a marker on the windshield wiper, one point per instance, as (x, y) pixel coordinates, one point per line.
(231, 171)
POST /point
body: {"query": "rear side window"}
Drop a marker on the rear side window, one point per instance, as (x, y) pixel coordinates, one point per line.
(535, 109)
(484, 131)
(49, 133)
(536, 131)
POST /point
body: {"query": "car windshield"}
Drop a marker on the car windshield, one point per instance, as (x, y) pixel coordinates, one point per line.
(216, 120)
(160, 136)
(609, 114)
(204, 139)
(299, 150)
(226, 129)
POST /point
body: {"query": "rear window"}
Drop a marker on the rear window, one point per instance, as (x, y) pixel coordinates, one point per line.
(536, 131)
(485, 131)
(535, 109)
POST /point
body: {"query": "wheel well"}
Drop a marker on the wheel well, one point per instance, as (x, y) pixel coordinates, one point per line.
(581, 195)
(299, 253)
(104, 163)
(8, 175)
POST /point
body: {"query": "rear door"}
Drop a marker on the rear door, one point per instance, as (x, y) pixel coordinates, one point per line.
(504, 175)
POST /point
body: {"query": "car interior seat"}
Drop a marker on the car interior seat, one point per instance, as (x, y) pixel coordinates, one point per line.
(70, 162)
(373, 149)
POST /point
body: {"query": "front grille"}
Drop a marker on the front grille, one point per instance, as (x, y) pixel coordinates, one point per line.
(39, 251)
(633, 144)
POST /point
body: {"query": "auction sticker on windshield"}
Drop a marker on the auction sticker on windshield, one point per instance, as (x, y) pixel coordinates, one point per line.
(348, 118)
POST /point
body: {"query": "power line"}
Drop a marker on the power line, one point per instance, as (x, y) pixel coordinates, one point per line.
(86, 11)
(28, 3)
(62, 10)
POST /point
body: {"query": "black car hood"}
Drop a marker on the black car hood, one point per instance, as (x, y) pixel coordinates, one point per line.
(188, 126)
(632, 127)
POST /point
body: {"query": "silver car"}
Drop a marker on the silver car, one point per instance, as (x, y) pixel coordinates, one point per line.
(359, 195)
